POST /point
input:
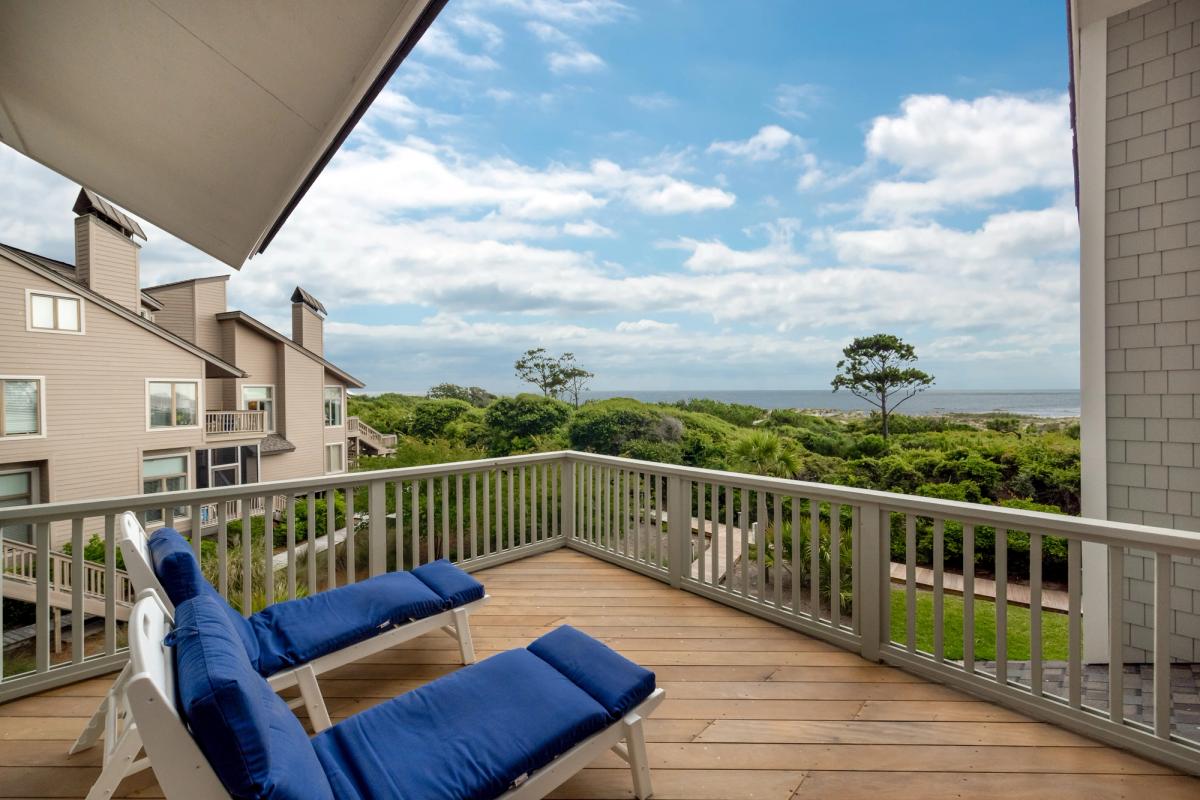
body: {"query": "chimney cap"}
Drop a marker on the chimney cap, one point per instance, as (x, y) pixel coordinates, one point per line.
(301, 296)
(89, 202)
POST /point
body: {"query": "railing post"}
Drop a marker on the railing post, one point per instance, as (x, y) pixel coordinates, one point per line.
(868, 602)
(678, 525)
(567, 490)
(377, 527)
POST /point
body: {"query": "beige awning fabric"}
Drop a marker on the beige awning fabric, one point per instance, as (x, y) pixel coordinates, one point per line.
(210, 119)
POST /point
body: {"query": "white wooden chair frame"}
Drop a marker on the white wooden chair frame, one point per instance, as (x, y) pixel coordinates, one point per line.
(183, 772)
(122, 740)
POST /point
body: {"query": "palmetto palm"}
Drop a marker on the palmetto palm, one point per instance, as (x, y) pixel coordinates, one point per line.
(764, 453)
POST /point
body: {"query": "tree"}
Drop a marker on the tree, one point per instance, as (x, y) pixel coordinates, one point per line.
(875, 369)
(764, 453)
(575, 378)
(514, 423)
(543, 371)
(474, 395)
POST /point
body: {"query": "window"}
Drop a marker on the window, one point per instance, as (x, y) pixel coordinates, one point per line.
(333, 406)
(18, 488)
(173, 404)
(21, 412)
(261, 398)
(55, 312)
(335, 458)
(165, 474)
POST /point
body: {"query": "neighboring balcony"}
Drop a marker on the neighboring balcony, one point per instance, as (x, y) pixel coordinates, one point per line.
(235, 424)
(366, 441)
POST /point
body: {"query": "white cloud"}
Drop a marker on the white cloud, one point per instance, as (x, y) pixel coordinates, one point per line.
(655, 101)
(646, 326)
(500, 95)
(439, 43)
(716, 256)
(563, 12)
(795, 100)
(588, 229)
(958, 152)
(400, 111)
(567, 55)
(771, 142)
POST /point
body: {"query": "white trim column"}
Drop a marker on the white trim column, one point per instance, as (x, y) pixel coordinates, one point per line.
(1090, 125)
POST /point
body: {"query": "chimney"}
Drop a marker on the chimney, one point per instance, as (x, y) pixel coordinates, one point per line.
(308, 321)
(106, 256)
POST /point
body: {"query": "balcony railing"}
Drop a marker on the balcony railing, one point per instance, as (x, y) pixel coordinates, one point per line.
(812, 557)
(379, 441)
(235, 423)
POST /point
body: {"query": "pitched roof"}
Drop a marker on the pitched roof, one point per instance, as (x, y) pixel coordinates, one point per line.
(271, 333)
(89, 202)
(302, 296)
(64, 275)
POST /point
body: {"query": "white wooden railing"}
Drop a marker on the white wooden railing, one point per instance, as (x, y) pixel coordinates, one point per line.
(380, 441)
(235, 423)
(20, 580)
(741, 540)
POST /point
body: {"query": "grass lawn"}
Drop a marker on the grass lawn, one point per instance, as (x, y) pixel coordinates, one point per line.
(1054, 628)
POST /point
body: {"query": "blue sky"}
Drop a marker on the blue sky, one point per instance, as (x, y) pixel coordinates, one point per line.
(688, 195)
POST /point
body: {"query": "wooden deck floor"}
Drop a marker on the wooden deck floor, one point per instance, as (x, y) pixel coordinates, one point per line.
(753, 710)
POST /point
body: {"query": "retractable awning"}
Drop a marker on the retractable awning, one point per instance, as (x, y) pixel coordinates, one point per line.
(210, 119)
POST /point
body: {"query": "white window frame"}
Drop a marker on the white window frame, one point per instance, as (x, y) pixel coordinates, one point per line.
(270, 426)
(29, 294)
(342, 391)
(199, 383)
(325, 458)
(35, 488)
(21, 437)
(190, 473)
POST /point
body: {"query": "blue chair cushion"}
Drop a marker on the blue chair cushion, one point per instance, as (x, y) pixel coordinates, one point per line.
(467, 735)
(454, 586)
(612, 680)
(253, 742)
(179, 573)
(296, 631)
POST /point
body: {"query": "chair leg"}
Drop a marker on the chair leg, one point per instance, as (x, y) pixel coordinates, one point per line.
(117, 764)
(108, 708)
(462, 630)
(310, 690)
(639, 767)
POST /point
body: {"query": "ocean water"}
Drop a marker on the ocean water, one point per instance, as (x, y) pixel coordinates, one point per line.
(1031, 403)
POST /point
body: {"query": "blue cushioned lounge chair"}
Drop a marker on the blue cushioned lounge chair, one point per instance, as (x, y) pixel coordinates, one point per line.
(515, 725)
(289, 643)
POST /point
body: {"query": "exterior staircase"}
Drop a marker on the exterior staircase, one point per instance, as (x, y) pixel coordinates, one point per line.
(366, 441)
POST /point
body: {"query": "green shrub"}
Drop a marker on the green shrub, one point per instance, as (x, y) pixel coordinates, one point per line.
(430, 417)
(514, 424)
(608, 425)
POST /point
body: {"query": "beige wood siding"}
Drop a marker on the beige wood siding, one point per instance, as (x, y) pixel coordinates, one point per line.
(95, 394)
(210, 301)
(338, 433)
(178, 314)
(109, 262)
(308, 329)
(300, 418)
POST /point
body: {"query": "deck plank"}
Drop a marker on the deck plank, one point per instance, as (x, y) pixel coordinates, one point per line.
(753, 710)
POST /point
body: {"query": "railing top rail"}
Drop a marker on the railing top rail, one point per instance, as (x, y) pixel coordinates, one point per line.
(48, 512)
(1104, 531)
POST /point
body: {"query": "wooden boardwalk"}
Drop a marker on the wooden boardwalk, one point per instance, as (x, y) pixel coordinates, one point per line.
(753, 710)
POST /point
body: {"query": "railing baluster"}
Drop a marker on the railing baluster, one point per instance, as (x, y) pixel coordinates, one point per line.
(376, 527)
(910, 582)
(331, 536)
(223, 549)
(1074, 623)
(110, 586)
(779, 561)
(247, 545)
(415, 521)
(445, 517)
(269, 548)
(487, 525)
(42, 602)
(1162, 645)
(474, 517)
(796, 564)
(835, 565)
(1035, 614)
(291, 546)
(534, 530)
(939, 555)
(351, 531)
(430, 514)
(714, 536)
(969, 598)
(1116, 652)
(522, 522)
(512, 531)
(696, 532)
(728, 538)
(78, 586)
(459, 555)
(760, 539)
(310, 549)
(499, 510)
(814, 558)
(1002, 606)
